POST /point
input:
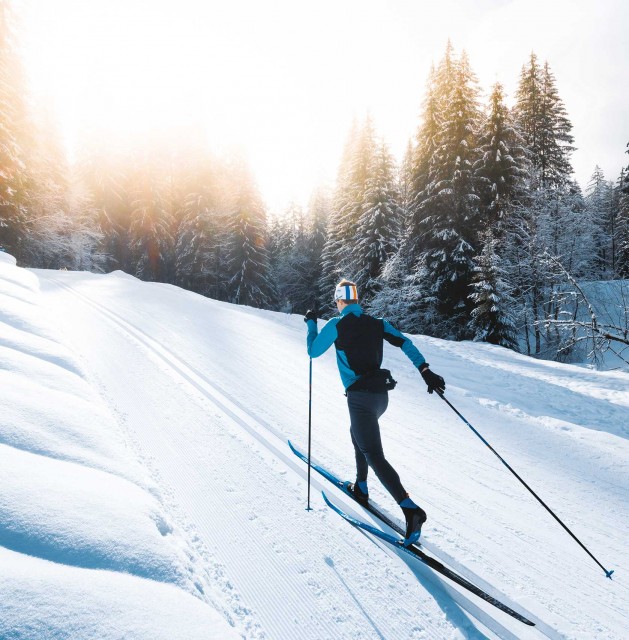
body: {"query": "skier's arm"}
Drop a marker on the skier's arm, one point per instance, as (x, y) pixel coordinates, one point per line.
(398, 339)
(318, 343)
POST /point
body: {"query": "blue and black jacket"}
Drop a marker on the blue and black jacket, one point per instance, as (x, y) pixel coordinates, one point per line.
(358, 339)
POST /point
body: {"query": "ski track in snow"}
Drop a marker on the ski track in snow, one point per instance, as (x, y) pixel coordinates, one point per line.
(302, 598)
(180, 444)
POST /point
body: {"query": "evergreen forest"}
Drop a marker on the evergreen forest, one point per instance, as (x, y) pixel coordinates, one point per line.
(479, 232)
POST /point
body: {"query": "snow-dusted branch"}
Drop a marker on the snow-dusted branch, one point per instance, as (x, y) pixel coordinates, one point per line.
(601, 335)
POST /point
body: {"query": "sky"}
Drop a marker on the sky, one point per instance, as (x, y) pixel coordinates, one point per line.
(283, 80)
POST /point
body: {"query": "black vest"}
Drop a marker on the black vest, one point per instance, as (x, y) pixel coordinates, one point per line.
(360, 338)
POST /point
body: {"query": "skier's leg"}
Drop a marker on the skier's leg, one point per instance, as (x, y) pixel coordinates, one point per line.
(364, 409)
(362, 467)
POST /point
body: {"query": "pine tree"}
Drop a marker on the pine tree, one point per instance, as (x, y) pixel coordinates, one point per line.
(14, 176)
(347, 207)
(439, 90)
(106, 176)
(331, 268)
(541, 116)
(552, 223)
(286, 246)
(51, 227)
(601, 218)
(503, 165)
(199, 265)
(151, 219)
(353, 194)
(622, 226)
(318, 216)
(379, 223)
(248, 258)
(492, 317)
(448, 216)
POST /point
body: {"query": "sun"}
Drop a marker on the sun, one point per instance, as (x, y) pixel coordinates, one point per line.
(249, 76)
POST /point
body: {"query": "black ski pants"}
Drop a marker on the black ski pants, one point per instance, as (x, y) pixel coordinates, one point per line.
(365, 407)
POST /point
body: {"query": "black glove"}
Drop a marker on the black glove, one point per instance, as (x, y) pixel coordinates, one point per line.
(310, 315)
(435, 382)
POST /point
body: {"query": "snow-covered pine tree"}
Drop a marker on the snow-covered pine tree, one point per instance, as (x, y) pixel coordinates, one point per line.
(286, 256)
(622, 226)
(347, 207)
(541, 116)
(331, 268)
(601, 218)
(402, 298)
(247, 255)
(295, 247)
(106, 175)
(316, 234)
(50, 224)
(503, 166)
(378, 227)
(199, 263)
(439, 88)
(449, 213)
(151, 218)
(493, 316)
(14, 176)
(405, 187)
(552, 223)
(555, 219)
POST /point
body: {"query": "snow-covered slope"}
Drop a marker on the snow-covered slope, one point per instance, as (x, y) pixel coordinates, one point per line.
(145, 435)
(87, 550)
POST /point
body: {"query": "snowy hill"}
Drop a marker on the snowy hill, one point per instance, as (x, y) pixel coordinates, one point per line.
(148, 492)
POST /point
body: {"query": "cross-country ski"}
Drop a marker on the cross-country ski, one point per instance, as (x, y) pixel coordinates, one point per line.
(398, 543)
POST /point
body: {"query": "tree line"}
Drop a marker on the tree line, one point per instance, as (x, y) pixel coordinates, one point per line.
(461, 240)
(479, 231)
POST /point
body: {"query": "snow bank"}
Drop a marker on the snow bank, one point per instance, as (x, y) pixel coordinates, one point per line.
(87, 548)
(44, 600)
(7, 258)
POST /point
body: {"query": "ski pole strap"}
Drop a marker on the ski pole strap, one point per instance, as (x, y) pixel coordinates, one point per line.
(608, 573)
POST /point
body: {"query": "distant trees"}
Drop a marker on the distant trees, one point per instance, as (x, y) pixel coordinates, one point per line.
(36, 188)
(14, 178)
(622, 224)
(296, 246)
(503, 166)
(493, 317)
(378, 227)
(246, 253)
(446, 211)
(541, 116)
(462, 240)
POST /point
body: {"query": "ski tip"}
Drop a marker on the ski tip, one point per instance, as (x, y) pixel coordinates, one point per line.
(608, 574)
(292, 448)
(327, 501)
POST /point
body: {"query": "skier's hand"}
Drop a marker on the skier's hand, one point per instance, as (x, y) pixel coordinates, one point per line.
(433, 381)
(310, 315)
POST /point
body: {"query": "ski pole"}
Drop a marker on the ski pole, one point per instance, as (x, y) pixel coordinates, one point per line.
(506, 464)
(308, 508)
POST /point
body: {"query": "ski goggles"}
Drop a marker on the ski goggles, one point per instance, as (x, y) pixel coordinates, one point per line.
(346, 292)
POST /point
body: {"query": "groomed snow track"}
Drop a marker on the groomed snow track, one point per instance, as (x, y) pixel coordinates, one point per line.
(280, 618)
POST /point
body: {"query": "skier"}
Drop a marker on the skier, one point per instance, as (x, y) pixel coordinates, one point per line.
(358, 339)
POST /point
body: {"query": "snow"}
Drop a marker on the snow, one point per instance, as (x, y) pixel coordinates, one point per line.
(86, 547)
(148, 491)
